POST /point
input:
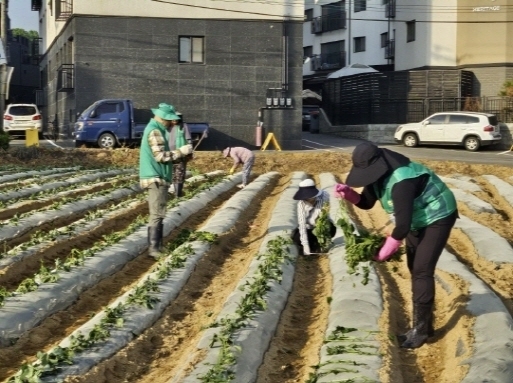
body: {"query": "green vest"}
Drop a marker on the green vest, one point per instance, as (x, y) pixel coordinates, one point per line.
(435, 202)
(180, 137)
(148, 166)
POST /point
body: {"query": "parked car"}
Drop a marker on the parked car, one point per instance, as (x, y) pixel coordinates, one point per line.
(21, 117)
(307, 115)
(469, 129)
(114, 122)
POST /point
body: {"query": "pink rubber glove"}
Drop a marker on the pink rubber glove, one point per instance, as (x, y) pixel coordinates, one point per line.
(388, 249)
(345, 192)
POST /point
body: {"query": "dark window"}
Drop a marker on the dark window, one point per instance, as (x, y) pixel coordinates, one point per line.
(308, 14)
(333, 55)
(386, 1)
(191, 50)
(459, 119)
(438, 119)
(333, 16)
(384, 39)
(410, 31)
(493, 120)
(360, 5)
(22, 110)
(106, 108)
(359, 44)
(307, 52)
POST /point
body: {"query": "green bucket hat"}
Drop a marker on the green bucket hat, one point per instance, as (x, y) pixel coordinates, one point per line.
(165, 111)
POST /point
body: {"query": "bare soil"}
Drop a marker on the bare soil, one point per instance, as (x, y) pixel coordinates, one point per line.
(163, 352)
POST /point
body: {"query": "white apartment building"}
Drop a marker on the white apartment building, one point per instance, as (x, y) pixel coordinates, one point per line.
(389, 35)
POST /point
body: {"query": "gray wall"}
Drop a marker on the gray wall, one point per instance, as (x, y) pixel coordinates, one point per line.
(137, 58)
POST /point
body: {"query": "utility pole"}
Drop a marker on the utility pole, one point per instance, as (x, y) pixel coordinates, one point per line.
(3, 62)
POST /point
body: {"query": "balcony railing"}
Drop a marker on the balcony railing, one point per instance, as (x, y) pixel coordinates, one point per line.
(331, 22)
(390, 9)
(65, 77)
(390, 49)
(328, 61)
(36, 5)
(63, 9)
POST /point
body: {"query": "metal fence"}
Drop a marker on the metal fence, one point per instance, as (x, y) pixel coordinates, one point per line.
(379, 111)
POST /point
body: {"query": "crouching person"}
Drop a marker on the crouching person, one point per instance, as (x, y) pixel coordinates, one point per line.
(243, 156)
(155, 170)
(315, 228)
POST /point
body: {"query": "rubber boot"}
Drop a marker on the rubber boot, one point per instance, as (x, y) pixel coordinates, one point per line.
(155, 241)
(418, 335)
(178, 189)
(431, 330)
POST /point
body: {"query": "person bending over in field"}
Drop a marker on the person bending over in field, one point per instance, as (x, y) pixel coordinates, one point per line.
(315, 229)
(241, 156)
(424, 211)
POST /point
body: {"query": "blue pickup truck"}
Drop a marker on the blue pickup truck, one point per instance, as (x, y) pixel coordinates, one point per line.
(115, 122)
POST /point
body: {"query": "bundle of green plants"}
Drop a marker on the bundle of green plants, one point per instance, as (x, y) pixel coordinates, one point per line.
(361, 246)
(322, 229)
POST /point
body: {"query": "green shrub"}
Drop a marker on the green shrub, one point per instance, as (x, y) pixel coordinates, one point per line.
(4, 140)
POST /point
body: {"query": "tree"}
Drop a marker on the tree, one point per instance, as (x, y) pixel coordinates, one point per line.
(31, 35)
(507, 89)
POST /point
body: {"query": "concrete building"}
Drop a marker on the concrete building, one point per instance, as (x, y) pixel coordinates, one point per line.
(25, 76)
(217, 62)
(474, 35)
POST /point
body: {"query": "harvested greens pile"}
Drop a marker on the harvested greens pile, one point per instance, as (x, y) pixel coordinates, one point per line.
(322, 229)
(360, 248)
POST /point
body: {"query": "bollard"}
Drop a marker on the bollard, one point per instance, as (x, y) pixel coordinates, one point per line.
(31, 137)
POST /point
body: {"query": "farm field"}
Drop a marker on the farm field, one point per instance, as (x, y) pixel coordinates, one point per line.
(81, 301)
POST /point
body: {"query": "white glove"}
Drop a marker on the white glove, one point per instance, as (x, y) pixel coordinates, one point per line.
(185, 150)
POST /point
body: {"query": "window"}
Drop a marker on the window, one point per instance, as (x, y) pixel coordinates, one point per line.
(191, 50)
(462, 119)
(359, 44)
(410, 31)
(307, 52)
(103, 110)
(384, 39)
(360, 5)
(309, 14)
(437, 120)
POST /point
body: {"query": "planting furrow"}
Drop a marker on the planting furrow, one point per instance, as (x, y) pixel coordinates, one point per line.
(13, 230)
(27, 310)
(32, 173)
(233, 348)
(351, 348)
(167, 286)
(60, 186)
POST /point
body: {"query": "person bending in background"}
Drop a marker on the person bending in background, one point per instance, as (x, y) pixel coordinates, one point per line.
(178, 137)
(311, 201)
(155, 171)
(241, 156)
(424, 211)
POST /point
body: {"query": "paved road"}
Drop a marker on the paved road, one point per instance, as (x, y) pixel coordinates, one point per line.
(331, 143)
(449, 153)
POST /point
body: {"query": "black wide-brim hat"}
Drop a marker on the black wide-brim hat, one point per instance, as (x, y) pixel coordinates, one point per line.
(368, 165)
(307, 190)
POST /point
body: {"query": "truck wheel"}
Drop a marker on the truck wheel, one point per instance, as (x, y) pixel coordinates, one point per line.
(472, 143)
(107, 141)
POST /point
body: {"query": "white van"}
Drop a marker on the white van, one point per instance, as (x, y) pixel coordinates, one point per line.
(469, 129)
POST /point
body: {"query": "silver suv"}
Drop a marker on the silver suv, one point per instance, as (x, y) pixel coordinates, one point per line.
(469, 129)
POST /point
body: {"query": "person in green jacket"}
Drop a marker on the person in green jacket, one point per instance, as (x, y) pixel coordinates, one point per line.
(178, 137)
(424, 211)
(155, 170)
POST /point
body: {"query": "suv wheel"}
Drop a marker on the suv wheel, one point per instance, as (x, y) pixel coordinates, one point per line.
(472, 143)
(410, 140)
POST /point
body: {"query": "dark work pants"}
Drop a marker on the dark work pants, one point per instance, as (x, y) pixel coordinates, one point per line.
(312, 239)
(423, 249)
(157, 203)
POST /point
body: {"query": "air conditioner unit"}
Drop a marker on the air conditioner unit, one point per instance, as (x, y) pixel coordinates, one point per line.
(315, 63)
(317, 25)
